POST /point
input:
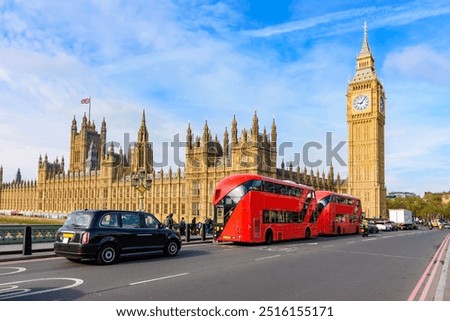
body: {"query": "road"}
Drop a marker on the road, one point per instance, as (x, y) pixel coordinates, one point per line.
(385, 266)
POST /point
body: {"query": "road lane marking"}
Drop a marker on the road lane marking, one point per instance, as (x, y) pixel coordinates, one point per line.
(159, 279)
(12, 290)
(328, 246)
(267, 257)
(13, 268)
(427, 275)
(439, 296)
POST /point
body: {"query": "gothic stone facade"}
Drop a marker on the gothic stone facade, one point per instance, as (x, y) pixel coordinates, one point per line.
(99, 176)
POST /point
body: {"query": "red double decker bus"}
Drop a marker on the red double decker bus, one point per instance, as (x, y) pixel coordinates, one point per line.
(338, 213)
(255, 209)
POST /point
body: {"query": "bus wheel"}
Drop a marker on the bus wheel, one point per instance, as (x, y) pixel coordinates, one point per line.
(307, 233)
(269, 237)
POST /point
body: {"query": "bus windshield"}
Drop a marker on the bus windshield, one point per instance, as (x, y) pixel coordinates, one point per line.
(227, 204)
(323, 202)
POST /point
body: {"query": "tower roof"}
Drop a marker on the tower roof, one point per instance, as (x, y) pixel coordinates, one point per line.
(365, 64)
(365, 49)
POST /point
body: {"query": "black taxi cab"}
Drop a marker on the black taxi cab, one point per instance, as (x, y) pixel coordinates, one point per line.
(106, 235)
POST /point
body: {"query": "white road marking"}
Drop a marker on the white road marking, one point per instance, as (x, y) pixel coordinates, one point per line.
(12, 290)
(267, 257)
(14, 268)
(159, 279)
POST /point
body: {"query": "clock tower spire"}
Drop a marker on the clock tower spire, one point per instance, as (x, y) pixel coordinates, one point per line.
(366, 120)
(365, 64)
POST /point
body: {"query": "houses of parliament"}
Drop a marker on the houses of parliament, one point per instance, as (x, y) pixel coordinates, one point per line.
(100, 175)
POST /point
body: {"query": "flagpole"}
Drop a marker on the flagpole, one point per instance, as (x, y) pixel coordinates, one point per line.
(89, 108)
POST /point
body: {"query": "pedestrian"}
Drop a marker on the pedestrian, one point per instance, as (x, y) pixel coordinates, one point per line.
(169, 221)
(209, 224)
(182, 226)
(193, 225)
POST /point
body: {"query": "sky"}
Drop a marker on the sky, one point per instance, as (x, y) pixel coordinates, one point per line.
(196, 61)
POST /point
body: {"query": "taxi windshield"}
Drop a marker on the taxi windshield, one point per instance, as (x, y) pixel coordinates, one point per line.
(78, 219)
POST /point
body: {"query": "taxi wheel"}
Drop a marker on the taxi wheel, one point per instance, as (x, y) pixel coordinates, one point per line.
(172, 247)
(108, 254)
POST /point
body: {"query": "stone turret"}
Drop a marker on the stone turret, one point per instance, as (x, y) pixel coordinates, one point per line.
(92, 159)
(255, 128)
(189, 137)
(143, 153)
(234, 131)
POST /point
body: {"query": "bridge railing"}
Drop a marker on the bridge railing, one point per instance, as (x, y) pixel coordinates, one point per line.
(15, 233)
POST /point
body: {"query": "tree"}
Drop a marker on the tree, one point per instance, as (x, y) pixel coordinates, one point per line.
(428, 207)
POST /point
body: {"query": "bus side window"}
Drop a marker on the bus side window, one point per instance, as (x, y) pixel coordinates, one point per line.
(320, 206)
(257, 185)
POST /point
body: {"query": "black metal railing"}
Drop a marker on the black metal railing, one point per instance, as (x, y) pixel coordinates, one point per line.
(14, 234)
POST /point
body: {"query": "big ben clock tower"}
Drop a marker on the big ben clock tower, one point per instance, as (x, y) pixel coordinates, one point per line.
(366, 118)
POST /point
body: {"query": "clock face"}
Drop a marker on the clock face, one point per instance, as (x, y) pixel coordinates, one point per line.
(361, 102)
(382, 104)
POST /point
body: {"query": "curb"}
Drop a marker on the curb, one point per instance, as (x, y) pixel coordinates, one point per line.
(12, 256)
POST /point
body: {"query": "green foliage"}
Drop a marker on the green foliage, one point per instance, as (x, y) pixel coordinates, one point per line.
(28, 220)
(428, 207)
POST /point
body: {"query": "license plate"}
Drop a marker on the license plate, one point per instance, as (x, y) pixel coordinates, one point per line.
(67, 235)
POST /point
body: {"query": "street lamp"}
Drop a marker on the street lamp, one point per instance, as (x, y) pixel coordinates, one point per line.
(142, 183)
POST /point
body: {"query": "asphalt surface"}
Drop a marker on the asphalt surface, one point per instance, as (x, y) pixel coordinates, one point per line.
(14, 252)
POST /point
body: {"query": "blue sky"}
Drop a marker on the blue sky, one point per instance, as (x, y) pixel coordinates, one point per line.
(195, 61)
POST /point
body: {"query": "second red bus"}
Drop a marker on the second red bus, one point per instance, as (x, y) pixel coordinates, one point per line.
(338, 213)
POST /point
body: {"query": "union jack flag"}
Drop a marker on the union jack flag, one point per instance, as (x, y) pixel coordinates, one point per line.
(86, 100)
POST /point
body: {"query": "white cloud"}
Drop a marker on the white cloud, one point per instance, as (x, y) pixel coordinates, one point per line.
(310, 23)
(421, 63)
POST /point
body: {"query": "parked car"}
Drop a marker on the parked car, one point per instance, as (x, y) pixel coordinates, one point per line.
(372, 226)
(383, 226)
(105, 235)
(393, 225)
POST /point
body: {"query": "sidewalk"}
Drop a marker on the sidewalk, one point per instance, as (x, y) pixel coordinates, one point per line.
(13, 252)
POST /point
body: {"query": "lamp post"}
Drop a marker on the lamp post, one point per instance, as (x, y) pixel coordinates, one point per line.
(142, 183)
